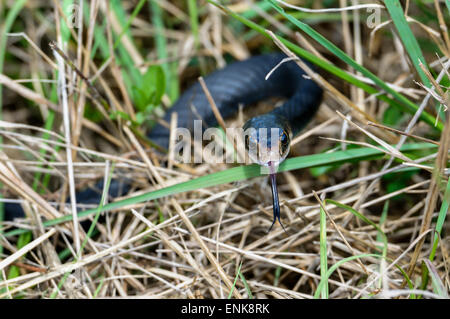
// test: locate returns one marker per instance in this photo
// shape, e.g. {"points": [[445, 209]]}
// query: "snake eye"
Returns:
{"points": [[284, 144], [284, 138]]}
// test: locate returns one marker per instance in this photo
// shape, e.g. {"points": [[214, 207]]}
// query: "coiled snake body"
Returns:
{"points": [[242, 82]]}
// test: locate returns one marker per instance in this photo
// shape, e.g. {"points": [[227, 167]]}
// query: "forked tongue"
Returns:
{"points": [[275, 201]]}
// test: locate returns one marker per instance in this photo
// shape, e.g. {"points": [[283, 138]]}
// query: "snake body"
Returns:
{"points": [[239, 83], [244, 83]]}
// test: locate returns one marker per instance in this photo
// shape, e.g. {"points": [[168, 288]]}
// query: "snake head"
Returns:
{"points": [[267, 139]]}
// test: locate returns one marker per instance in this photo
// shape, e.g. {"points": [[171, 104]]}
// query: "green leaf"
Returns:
{"points": [[92, 113], [154, 81], [150, 89], [140, 117], [120, 114]]}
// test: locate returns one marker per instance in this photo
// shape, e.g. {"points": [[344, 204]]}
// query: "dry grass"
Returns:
{"points": [[58, 137]]}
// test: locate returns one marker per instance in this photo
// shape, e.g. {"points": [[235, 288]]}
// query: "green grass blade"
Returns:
{"points": [[277, 276], [323, 254], [246, 286], [330, 271], [381, 237], [407, 37], [131, 73], [440, 221], [235, 280], [408, 281], [380, 234], [9, 20], [193, 19], [239, 274], [161, 48], [100, 285], [60, 284], [23, 240], [360, 216], [90, 231], [436, 282], [67, 6], [438, 229], [100, 41], [48, 126], [97, 215], [130, 20]]}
